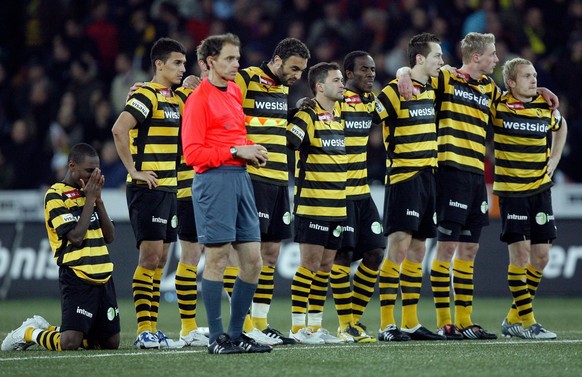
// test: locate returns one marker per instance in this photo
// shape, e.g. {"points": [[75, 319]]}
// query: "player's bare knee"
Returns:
{"points": [[396, 255], [270, 252], [344, 257], [111, 343], [468, 252], [539, 260], [311, 265], [251, 265], [448, 235], [325, 266], [270, 259], [71, 340], [149, 261], [416, 254], [372, 259]]}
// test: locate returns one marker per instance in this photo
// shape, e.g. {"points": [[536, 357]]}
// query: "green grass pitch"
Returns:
{"points": [[502, 357]]}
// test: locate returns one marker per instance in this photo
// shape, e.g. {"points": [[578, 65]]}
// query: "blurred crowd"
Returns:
{"points": [[66, 65]]}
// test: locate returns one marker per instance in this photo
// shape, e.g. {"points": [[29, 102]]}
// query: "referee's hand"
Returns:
{"points": [[256, 154]]}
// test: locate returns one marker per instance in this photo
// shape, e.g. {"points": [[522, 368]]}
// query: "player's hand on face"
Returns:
{"points": [[94, 184], [147, 176], [191, 82]]}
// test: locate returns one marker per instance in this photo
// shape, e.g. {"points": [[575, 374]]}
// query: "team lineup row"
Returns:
{"points": [[231, 129]]}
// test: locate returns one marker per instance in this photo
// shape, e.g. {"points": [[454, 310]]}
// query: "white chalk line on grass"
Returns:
{"points": [[89, 354]]}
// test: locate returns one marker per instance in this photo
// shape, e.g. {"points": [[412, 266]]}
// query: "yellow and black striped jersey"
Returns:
{"points": [[359, 113], [63, 205], [321, 171], [265, 107], [522, 146], [463, 110], [185, 172], [153, 142], [410, 134]]}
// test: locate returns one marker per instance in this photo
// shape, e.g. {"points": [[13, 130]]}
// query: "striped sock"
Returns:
{"points": [[317, 295], [342, 294], [300, 287], [410, 285], [263, 297], [142, 287], [463, 289], [440, 282], [187, 294], [155, 308], [388, 286], [364, 281], [521, 297]]}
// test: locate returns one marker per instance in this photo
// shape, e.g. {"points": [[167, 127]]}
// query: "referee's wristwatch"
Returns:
{"points": [[233, 151]]}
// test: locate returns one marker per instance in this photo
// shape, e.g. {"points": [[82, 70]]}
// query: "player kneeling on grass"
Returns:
{"points": [[78, 229], [523, 176]]}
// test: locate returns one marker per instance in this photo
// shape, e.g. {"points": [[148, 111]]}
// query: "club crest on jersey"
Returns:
{"points": [[325, 117], [72, 194], [516, 106], [353, 100], [266, 81], [166, 92], [462, 75]]}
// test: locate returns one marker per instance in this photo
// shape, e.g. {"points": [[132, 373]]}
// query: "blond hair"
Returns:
{"points": [[475, 43], [510, 69]]}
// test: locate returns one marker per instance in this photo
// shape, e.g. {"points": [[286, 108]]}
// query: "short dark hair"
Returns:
{"points": [[318, 73], [212, 45], [81, 151], [162, 49], [291, 47], [419, 44], [350, 60]]}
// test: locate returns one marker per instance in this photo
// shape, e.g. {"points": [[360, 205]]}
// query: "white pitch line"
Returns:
{"points": [[86, 354]]}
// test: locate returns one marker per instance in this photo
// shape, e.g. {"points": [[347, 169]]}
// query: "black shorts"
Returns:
{"points": [[153, 214], [530, 218], [318, 232], [186, 221], [461, 198], [273, 208], [90, 309], [409, 206], [362, 230]]}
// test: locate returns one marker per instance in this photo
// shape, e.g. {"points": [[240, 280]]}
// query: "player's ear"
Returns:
{"points": [[159, 64], [277, 61]]}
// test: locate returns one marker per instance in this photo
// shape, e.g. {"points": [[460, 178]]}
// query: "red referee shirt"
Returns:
{"points": [[213, 122]]}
